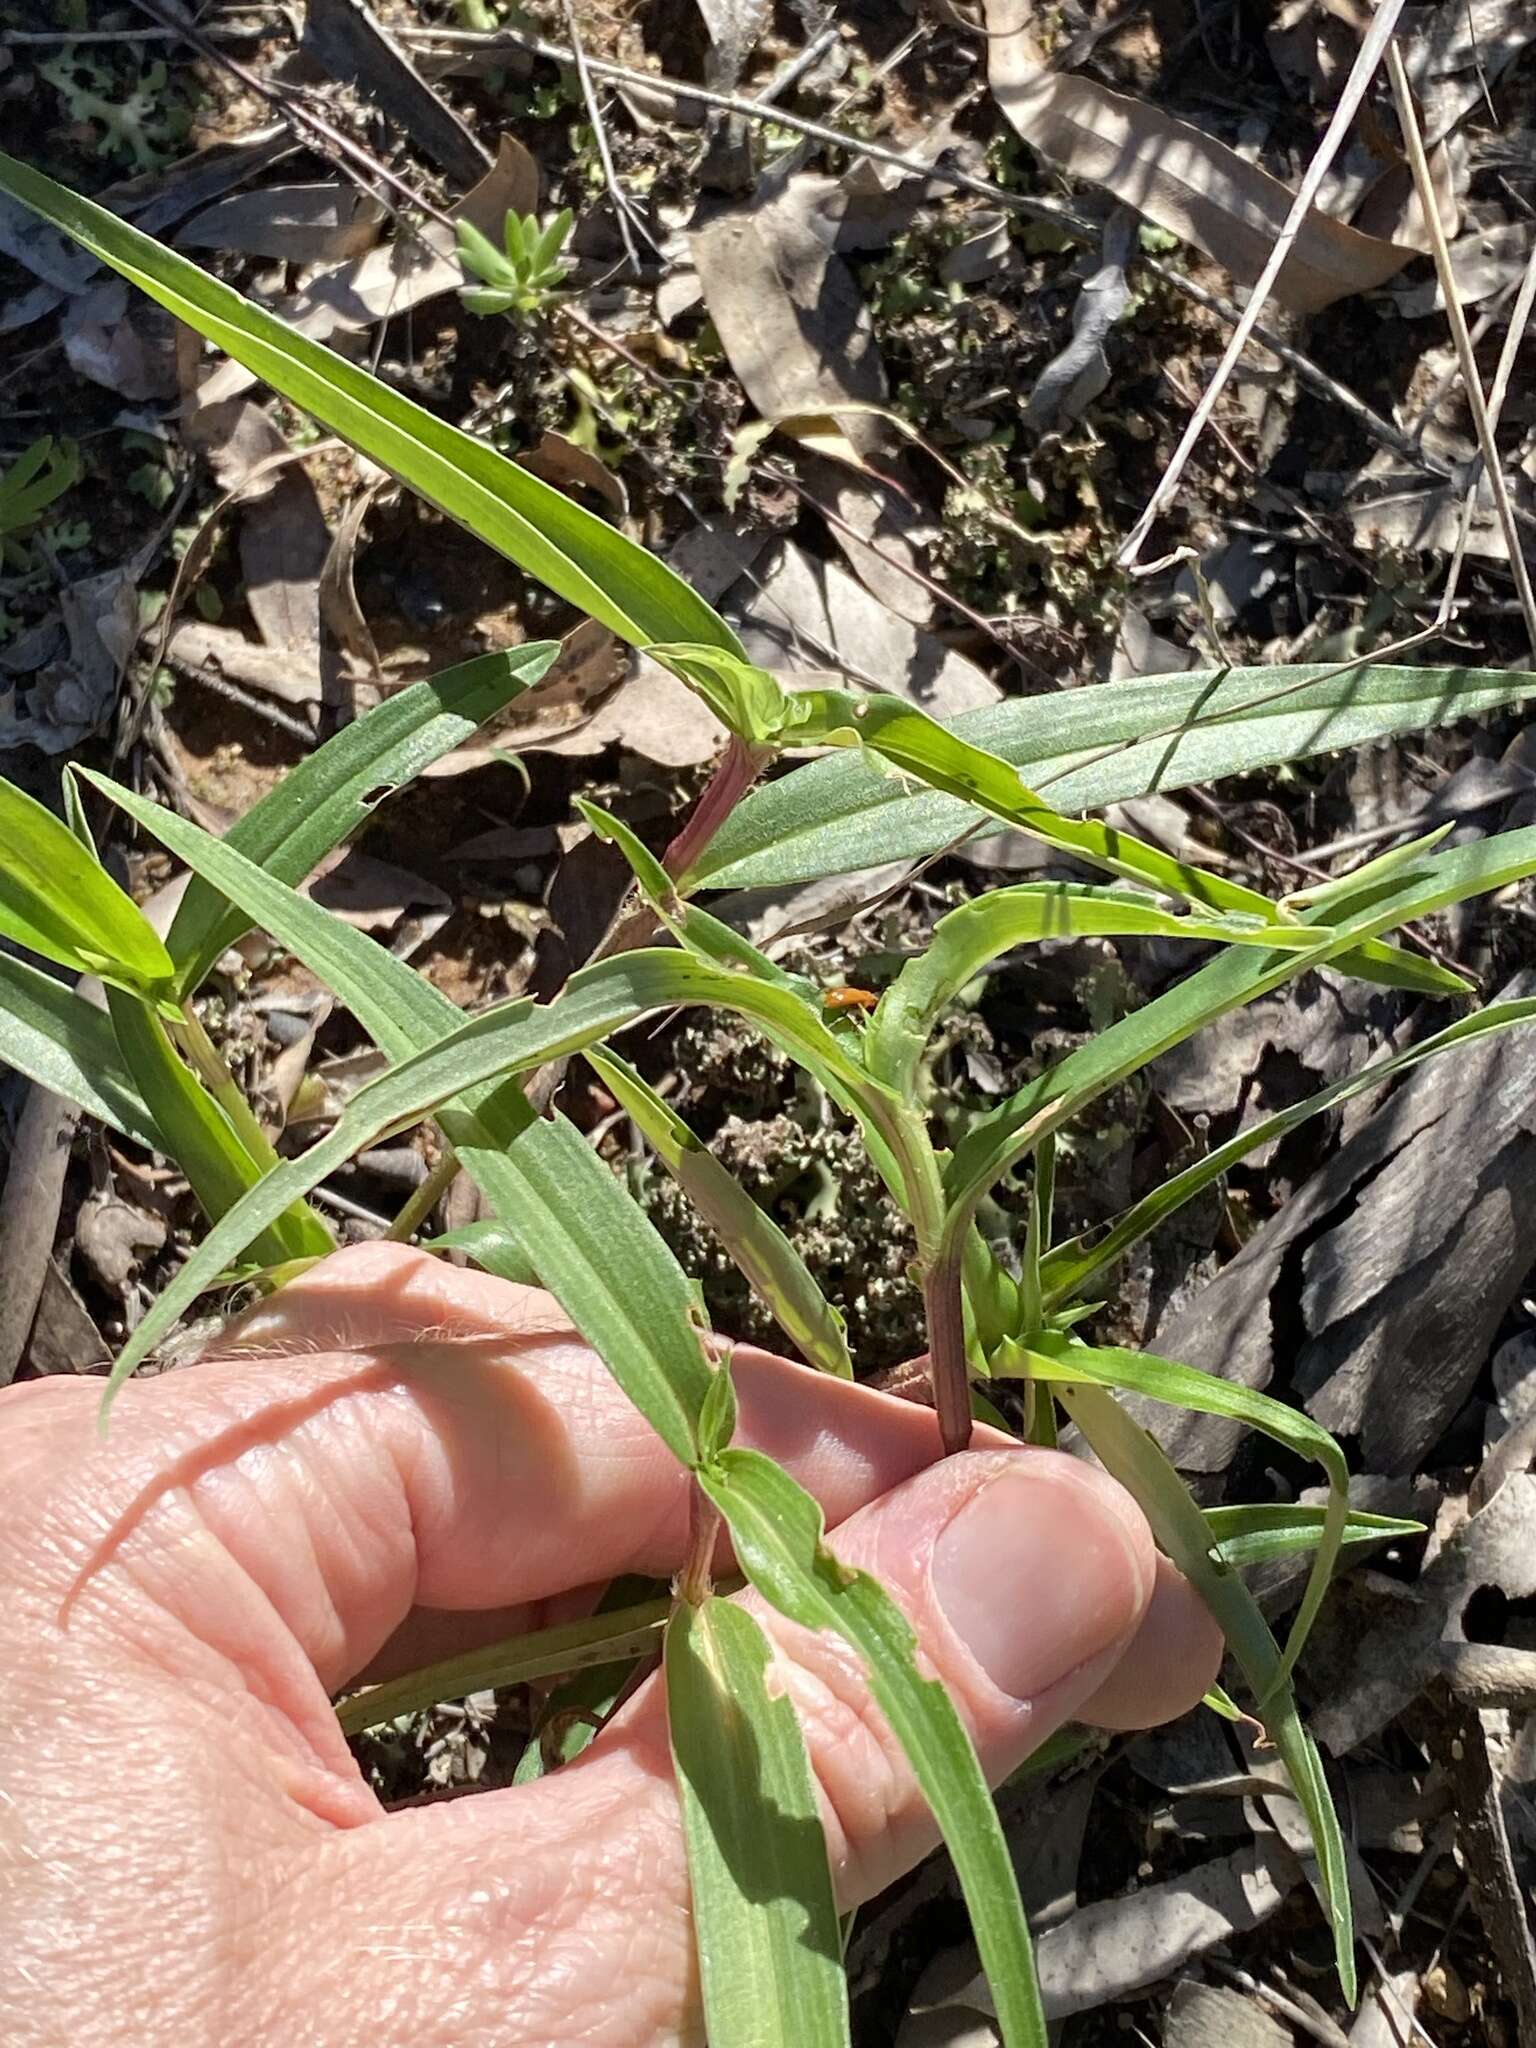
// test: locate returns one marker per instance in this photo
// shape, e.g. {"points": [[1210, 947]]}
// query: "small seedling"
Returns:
{"points": [[524, 281], [38, 477]]}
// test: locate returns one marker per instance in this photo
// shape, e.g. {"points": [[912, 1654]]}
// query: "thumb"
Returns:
{"points": [[560, 1911], [1025, 1575]]}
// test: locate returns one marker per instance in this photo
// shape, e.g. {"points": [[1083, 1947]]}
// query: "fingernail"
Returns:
{"points": [[1036, 1574]]}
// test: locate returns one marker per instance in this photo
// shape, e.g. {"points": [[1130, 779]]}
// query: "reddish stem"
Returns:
{"points": [[735, 772]]}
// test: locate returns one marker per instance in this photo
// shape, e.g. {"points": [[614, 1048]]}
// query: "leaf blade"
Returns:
{"points": [[765, 1920], [332, 791], [777, 1531], [578, 555], [1087, 748], [57, 900]]}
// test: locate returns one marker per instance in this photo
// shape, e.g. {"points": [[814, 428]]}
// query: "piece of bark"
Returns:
{"points": [[29, 1216], [1210, 2016], [1404, 1294], [1398, 1261], [345, 40], [1459, 1745], [64, 1336], [1120, 1945], [1380, 1643]]}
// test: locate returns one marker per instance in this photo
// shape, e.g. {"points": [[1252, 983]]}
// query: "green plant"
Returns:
{"points": [[894, 780], [524, 280], [39, 475]]}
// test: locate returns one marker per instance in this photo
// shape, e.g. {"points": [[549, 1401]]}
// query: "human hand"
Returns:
{"points": [[394, 1460]]}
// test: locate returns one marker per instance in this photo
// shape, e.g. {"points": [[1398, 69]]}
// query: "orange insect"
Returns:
{"points": [[846, 999]]}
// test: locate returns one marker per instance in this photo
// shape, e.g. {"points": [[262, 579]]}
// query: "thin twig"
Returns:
{"points": [[1363, 70], [1413, 138], [301, 117], [1030, 205], [628, 219]]}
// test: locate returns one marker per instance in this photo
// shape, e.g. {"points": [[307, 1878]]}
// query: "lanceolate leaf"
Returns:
{"points": [[1066, 1270], [64, 1043], [575, 553], [776, 1528], [1058, 1361], [594, 1249], [56, 899], [969, 938], [755, 1242], [1085, 748], [326, 797], [764, 1917], [508, 1040], [198, 1136], [1237, 977], [906, 739], [1246, 1536], [1137, 1461], [545, 1653]]}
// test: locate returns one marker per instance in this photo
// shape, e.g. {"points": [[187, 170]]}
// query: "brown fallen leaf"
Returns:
{"points": [[398, 275], [344, 38], [74, 692], [64, 1336], [274, 671], [325, 223], [114, 1238], [802, 342], [339, 608], [284, 545], [586, 671], [1179, 177], [797, 614], [574, 469]]}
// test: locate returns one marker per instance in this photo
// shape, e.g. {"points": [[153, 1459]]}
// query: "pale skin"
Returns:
{"points": [[394, 1460]]}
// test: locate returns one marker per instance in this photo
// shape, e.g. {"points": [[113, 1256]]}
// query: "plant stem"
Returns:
{"points": [[423, 1200], [694, 1581], [946, 1352], [210, 1069], [735, 772]]}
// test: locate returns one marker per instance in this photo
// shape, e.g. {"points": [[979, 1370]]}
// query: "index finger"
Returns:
{"points": [[393, 1433]]}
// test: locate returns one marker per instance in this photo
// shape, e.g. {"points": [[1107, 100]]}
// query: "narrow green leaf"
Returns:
{"points": [[491, 1245], [1135, 1458], [549, 243], [594, 1249], [764, 1918], [717, 1413], [520, 1660], [503, 1041], [709, 937], [341, 785], [758, 1248], [918, 745], [970, 938], [196, 1133], [1245, 1536], [58, 1039], [893, 1129], [1060, 1361], [578, 555], [56, 899], [777, 1531], [1087, 748], [1067, 1268], [1000, 1137]]}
